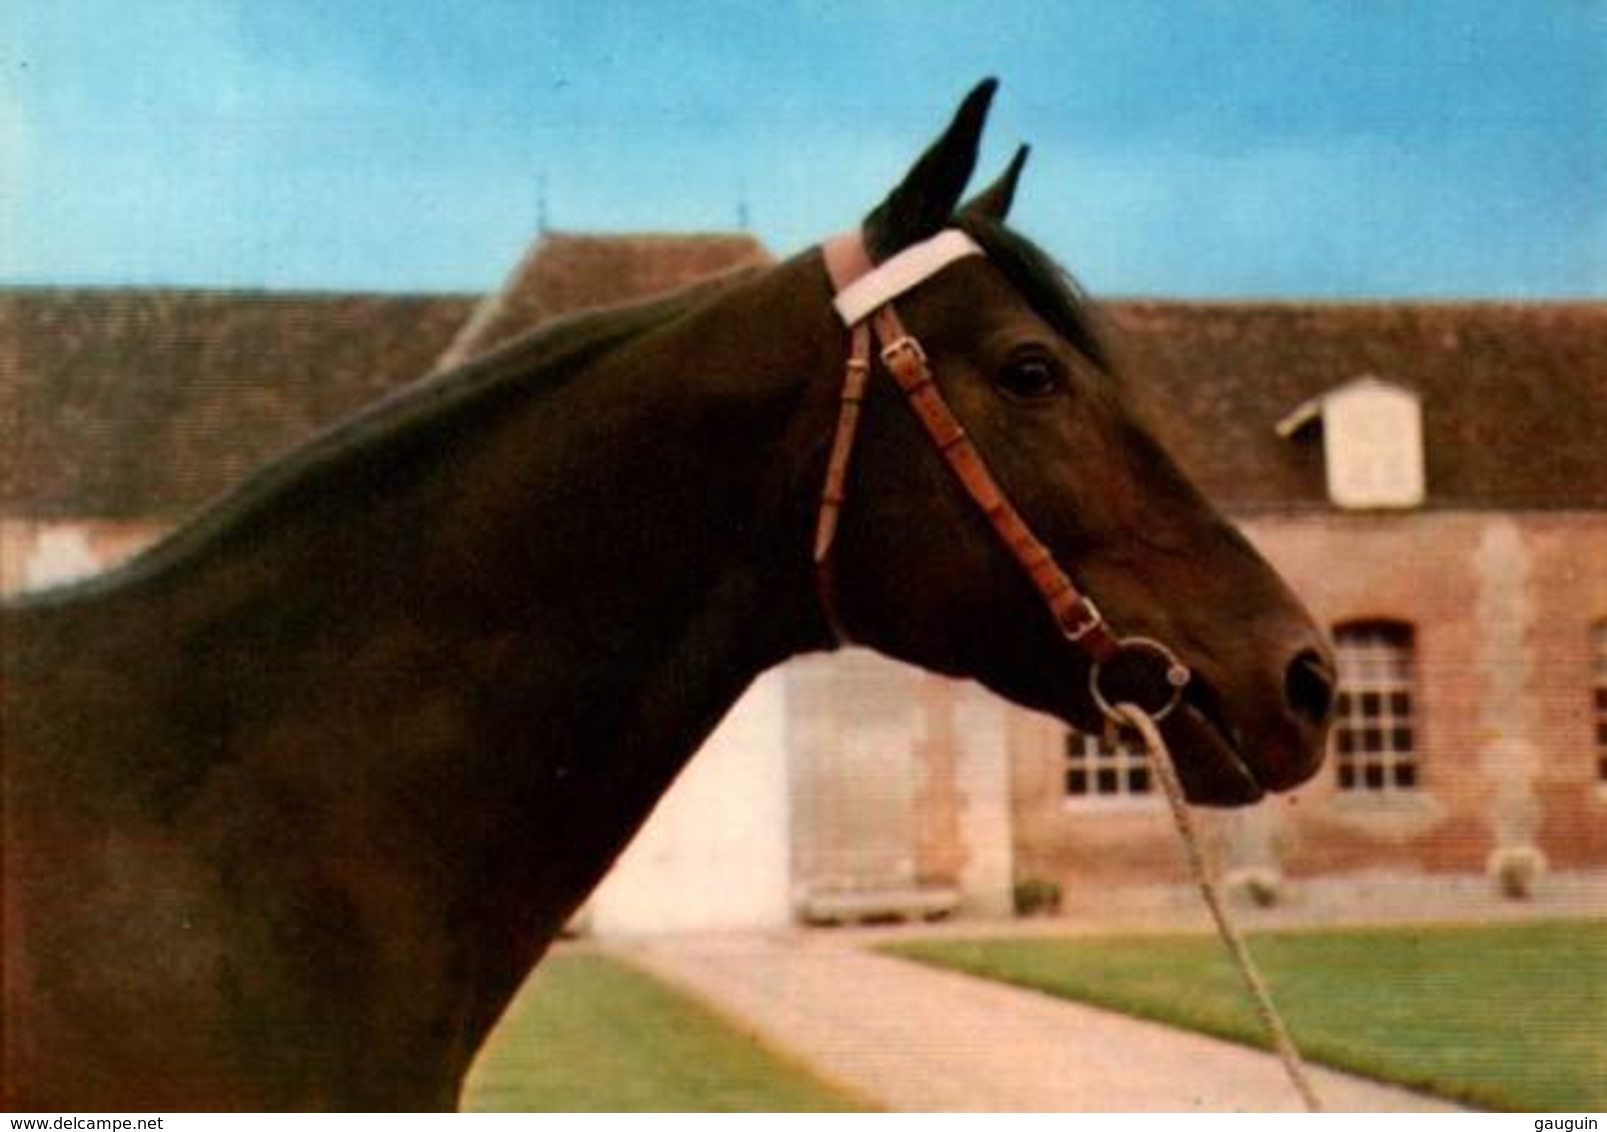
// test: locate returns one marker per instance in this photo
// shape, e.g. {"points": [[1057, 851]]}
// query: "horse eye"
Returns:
{"points": [[1031, 377]]}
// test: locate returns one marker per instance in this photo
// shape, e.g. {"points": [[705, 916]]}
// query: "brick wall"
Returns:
{"points": [[1571, 560], [1502, 606]]}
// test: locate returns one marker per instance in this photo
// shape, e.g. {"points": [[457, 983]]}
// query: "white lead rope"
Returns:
{"points": [[1161, 756]]}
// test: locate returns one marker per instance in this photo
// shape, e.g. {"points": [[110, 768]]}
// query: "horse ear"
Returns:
{"points": [[994, 201], [926, 199]]}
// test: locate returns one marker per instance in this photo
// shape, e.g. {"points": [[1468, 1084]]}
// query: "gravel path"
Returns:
{"points": [[916, 1039]]}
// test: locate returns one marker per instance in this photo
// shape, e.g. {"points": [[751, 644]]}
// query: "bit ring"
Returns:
{"points": [[1175, 676]]}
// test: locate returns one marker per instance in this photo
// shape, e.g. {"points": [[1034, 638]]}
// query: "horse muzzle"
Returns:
{"points": [[1229, 757]]}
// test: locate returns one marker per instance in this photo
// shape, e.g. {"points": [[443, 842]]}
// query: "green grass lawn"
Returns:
{"points": [[591, 1035], [1507, 1017]]}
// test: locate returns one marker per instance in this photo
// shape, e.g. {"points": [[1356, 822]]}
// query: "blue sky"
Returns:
{"points": [[1345, 150]]}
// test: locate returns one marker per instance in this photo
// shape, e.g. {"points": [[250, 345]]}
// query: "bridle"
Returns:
{"points": [[1151, 677], [1150, 673]]}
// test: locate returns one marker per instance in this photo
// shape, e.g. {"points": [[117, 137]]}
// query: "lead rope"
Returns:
{"points": [[1282, 1042]]}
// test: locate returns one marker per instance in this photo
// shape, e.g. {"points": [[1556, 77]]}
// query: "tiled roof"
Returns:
{"points": [[563, 272], [127, 403], [1514, 395], [131, 403]]}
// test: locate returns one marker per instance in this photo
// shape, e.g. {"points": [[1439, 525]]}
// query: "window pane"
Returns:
{"points": [[1096, 768], [1374, 738]]}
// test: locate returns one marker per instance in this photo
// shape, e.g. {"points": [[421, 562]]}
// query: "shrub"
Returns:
{"points": [[1035, 896], [1261, 885], [1516, 869]]}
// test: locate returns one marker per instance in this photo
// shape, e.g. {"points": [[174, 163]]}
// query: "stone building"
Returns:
{"points": [[1432, 479], [1429, 477], [125, 410]]}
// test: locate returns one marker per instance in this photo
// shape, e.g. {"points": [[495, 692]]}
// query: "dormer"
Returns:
{"points": [[1372, 440]]}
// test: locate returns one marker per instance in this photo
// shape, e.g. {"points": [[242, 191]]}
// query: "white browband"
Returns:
{"points": [[909, 268]]}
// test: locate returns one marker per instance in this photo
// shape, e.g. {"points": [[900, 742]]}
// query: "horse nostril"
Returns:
{"points": [[1308, 686]]}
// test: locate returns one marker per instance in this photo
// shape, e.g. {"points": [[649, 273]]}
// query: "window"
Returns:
{"points": [[1374, 739], [1096, 768], [1598, 641]]}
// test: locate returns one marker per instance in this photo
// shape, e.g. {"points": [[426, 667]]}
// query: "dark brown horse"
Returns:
{"points": [[294, 801]]}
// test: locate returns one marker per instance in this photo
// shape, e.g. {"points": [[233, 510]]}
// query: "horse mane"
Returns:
{"points": [[384, 434], [1047, 287]]}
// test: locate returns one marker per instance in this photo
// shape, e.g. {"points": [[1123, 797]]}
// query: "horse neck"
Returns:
{"points": [[493, 664], [645, 521]]}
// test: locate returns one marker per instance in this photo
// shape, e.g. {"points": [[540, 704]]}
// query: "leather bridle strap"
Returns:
{"points": [[864, 300], [835, 492], [1078, 617]]}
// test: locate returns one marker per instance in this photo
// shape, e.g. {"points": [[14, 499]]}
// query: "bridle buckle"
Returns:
{"points": [[905, 345], [1092, 619]]}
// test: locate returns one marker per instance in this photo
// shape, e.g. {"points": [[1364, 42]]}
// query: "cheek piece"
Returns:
{"points": [[1134, 670]]}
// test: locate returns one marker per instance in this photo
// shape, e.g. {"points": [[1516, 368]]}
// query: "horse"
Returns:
{"points": [[296, 799]]}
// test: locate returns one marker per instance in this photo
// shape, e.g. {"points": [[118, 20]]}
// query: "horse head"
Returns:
{"points": [[918, 571]]}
